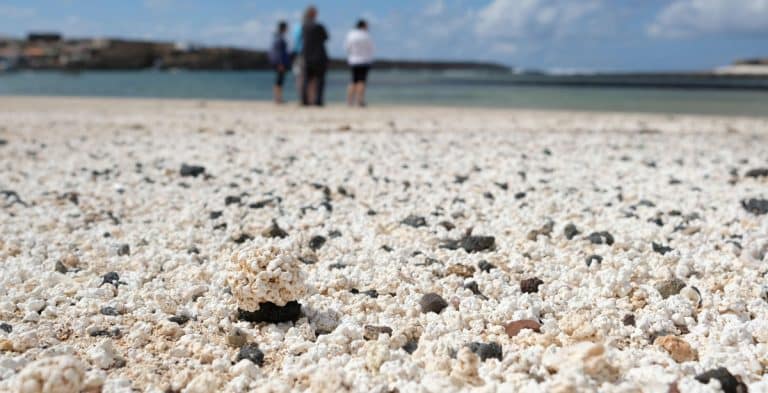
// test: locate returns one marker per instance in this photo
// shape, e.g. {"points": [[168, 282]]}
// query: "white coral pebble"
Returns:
{"points": [[61, 374], [266, 273]]}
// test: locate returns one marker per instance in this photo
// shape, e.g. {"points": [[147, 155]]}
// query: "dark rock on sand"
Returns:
{"points": [[661, 249], [272, 313], [601, 238], [414, 221], [755, 206], [6, 328], [570, 231], [110, 278], [109, 311], [411, 346], [471, 243], [260, 204], [242, 238], [520, 195], [334, 234], [179, 319], [447, 225], [316, 242], [530, 285], [123, 249], [670, 287], [485, 266], [628, 320], [371, 332], [486, 351], [432, 302], [251, 352], [728, 382], [545, 230], [59, 267], [757, 172], [215, 215], [231, 200], [274, 230], [594, 259], [191, 170], [503, 186]]}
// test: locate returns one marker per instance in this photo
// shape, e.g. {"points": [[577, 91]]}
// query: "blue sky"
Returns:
{"points": [[551, 34]]}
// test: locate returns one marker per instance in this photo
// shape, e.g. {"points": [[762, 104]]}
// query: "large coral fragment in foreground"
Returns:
{"points": [[266, 273]]}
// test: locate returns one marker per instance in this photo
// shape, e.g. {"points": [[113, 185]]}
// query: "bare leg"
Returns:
{"points": [[277, 92], [351, 91], [312, 91], [360, 90]]}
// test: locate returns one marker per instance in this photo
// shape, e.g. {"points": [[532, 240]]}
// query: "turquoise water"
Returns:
{"points": [[660, 94]]}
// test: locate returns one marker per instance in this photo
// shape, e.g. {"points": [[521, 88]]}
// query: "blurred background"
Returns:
{"points": [[673, 56]]}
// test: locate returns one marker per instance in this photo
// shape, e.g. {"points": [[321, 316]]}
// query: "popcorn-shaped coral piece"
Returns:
{"points": [[61, 374], [269, 272]]}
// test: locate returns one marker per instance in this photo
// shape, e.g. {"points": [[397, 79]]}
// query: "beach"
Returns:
{"points": [[560, 251]]}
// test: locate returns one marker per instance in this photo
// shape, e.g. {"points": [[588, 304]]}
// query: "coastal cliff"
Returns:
{"points": [[51, 52]]}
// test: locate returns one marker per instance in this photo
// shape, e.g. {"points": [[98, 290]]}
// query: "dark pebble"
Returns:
{"points": [[231, 200], [594, 259], [660, 248], [260, 204], [371, 293], [371, 212], [458, 179], [316, 242], [570, 231], [471, 243], [191, 170], [411, 346], [6, 327], [432, 302], [387, 248], [336, 266], [728, 382], [271, 313], [59, 267], [757, 207], [371, 332], [488, 195], [485, 266], [109, 311], [242, 238], [447, 225], [251, 352], [658, 221], [221, 226], [520, 195], [110, 278], [601, 238], [472, 286], [757, 172], [274, 230], [179, 319], [193, 250], [486, 351], [334, 234], [123, 250], [215, 215], [3, 142], [628, 320], [503, 186], [530, 285], [414, 221]]}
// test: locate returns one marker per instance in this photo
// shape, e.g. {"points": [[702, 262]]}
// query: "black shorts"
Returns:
{"points": [[360, 73], [279, 78]]}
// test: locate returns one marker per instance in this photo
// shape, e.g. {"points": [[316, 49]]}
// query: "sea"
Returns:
{"points": [[650, 93]]}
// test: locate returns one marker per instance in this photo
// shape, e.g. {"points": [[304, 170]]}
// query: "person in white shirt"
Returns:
{"points": [[359, 48]]}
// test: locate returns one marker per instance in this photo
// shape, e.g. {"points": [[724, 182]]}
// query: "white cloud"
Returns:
{"points": [[540, 19], [435, 8], [12, 12], [689, 18]]}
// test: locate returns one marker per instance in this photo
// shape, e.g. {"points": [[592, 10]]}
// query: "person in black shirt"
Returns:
{"points": [[315, 56]]}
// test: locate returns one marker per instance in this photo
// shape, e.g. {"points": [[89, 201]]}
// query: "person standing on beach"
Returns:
{"points": [[280, 59], [298, 59], [359, 47], [315, 56]]}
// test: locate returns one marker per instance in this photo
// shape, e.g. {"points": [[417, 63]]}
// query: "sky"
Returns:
{"points": [[568, 35]]}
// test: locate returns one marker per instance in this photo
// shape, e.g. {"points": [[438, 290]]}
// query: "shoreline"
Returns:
{"points": [[31, 102]]}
